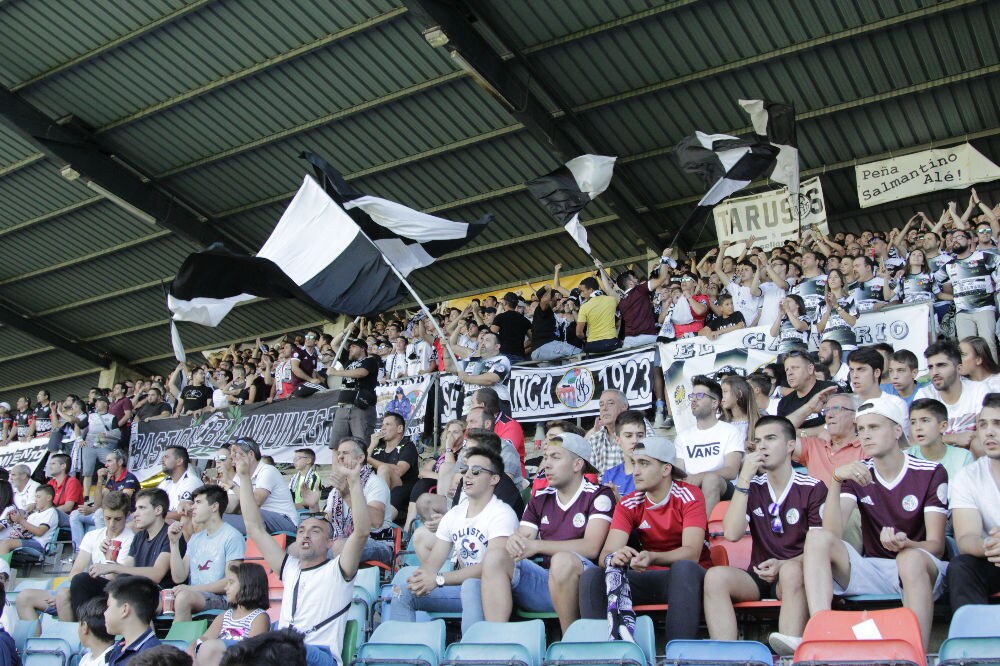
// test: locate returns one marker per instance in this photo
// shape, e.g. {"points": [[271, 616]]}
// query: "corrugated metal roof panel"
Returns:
{"points": [[37, 190]]}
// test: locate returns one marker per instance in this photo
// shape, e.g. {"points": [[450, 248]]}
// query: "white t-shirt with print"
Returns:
{"points": [[770, 304], [974, 488], [49, 517], [705, 450], [962, 415], [92, 540], [470, 536]]}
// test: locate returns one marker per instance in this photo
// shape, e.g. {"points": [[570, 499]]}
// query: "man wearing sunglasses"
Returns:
{"points": [[472, 527], [780, 506], [903, 504]]}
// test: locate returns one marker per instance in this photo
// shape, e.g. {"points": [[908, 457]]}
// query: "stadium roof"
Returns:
{"points": [[135, 133]]}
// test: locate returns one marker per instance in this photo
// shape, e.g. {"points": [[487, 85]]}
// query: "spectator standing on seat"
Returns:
{"points": [[606, 453], [210, 549], [34, 531], [41, 416], [115, 478], [904, 506], [355, 414], [394, 457], [566, 524], [195, 397], [180, 480], [68, 491], [636, 306], [102, 437], [780, 506], [20, 421], [596, 319], [511, 328], [974, 575], [970, 279], [132, 602], [489, 369], [271, 495], [546, 342], [669, 564], [962, 398], [710, 451]]}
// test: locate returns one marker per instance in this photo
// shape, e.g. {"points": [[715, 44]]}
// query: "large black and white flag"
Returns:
{"points": [[568, 189], [726, 163], [408, 238], [316, 254], [774, 122]]}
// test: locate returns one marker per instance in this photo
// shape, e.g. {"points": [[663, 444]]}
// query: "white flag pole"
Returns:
{"points": [[347, 336]]}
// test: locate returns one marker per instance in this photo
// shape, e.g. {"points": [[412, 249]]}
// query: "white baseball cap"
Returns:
{"points": [[883, 406]]}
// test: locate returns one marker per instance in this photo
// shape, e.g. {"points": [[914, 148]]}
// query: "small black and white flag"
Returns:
{"points": [[567, 190], [774, 122], [726, 163], [408, 238]]}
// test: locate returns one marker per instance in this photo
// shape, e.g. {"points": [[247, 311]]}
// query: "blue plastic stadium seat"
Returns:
{"points": [[508, 643], [969, 651], [68, 631], [51, 650], [975, 621], [717, 652], [586, 642], [404, 643]]}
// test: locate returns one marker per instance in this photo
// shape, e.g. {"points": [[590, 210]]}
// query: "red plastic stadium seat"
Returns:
{"points": [[839, 652], [894, 624], [253, 552]]}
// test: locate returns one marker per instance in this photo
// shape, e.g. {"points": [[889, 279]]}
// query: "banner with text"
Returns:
{"points": [[279, 428], [771, 217], [406, 397], [952, 168], [567, 391], [747, 350], [28, 453]]}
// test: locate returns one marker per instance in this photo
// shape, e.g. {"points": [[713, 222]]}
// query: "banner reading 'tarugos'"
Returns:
{"points": [[771, 217]]}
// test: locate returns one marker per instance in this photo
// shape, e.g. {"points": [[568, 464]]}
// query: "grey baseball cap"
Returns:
{"points": [[576, 445]]}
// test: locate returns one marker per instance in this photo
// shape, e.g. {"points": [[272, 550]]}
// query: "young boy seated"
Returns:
{"points": [[928, 423]]}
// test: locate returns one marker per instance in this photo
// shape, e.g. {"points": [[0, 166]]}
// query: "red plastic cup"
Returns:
{"points": [[116, 547]]}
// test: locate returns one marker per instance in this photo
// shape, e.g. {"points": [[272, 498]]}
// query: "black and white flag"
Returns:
{"points": [[568, 189], [774, 122], [408, 238], [726, 163]]}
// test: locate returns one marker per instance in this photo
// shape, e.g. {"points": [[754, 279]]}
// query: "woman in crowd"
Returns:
{"points": [[978, 363], [792, 326], [739, 407], [834, 317], [915, 285]]}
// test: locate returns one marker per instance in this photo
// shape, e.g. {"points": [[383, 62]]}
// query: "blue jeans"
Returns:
{"points": [[529, 586], [80, 524], [552, 351], [319, 655], [601, 346], [465, 598]]}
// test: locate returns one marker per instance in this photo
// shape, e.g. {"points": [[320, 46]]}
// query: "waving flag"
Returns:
{"points": [[774, 122]]}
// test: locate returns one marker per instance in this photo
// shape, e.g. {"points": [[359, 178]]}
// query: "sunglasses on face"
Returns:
{"points": [[476, 470], [774, 511], [701, 395]]}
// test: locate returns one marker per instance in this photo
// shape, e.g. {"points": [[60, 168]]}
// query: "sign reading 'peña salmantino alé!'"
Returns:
{"points": [[918, 173]]}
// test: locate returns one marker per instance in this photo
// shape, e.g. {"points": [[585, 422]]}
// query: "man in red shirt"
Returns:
{"points": [[505, 427], [669, 517], [69, 492]]}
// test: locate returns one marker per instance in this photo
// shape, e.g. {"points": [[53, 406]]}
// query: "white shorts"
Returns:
{"points": [[878, 575]]}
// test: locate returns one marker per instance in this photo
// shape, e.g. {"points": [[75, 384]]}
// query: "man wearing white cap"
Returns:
{"points": [[903, 503], [566, 523], [669, 517]]}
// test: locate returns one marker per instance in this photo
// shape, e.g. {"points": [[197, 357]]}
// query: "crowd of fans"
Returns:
{"points": [[847, 469]]}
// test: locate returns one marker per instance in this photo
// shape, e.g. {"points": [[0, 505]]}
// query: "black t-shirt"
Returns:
{"points": [[22, 422], [307, 361], [792, 401], [148, 410], [405, 451], [513, 327], [720, 323], [260, 396], [366, 385], [145, 551], [195, 397], [43, 419], [543, 327]]}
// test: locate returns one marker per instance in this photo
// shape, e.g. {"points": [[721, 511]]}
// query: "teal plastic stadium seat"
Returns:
{"points": [[508, 643], [404, 643], [367, 579], [717, 652], [188, 632], [969, 651], [975, 621], [50, 651], [23, 630], [586, 642], [68, 631]]}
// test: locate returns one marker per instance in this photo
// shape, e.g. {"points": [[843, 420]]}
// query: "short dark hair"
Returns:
{"points": [[935, 407], [496, 462], [489, 398], [568, 426], [161, 655], [907, 357], [63, 458], [253, 585], [709, 383], [760, 380], [867, 356], [91, 613], [837, 347], [884, 348], [725, 297], [157, 498], [398, 418], [284, 646], [868, 260], [181, 453], [946, 347], [590, 283], [308, 453], [629, 417], [787, 429], [139, 592], [213, 495], [116, 501], [484, 438], [47, 489], [991, 400]]}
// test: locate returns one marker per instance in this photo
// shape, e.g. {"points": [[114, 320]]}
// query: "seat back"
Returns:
{"points": [[187, 631], [715, 520], [890, 624], [252, 552], [23, 630], [33, 584], [731, 553], [970, 651], [596, 631], [745, 652], [396, 642], [888, 651], [48, 650], [494, 642], [367, 579], [67, 631], [975, 621]]}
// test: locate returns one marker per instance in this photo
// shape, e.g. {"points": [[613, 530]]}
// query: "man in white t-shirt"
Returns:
{"points": [[963, 398], [468, 529], [740, 286], [94, 549], [270, 493], [770, 287], [317, 590], [712, 451], [24, 487], [37, 528], [974, 575], [180, 481]]}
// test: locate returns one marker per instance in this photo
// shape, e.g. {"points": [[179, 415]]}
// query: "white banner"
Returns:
{"points": [[29, 453], [952, 168], [746, 351], [770, 216]]}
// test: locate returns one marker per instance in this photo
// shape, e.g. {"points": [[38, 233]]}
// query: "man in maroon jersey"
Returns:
{"points": [[781, 506], [669, 517], [566, 523], [904, 506]]}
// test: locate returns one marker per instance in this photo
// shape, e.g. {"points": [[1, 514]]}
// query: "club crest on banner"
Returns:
{"points": [[576, 388]]}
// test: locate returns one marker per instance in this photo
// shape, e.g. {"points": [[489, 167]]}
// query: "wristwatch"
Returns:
{"points": [[439, 580]]}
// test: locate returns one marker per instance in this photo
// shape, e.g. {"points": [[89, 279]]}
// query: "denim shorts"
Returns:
{"points": [[530, 585]]}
